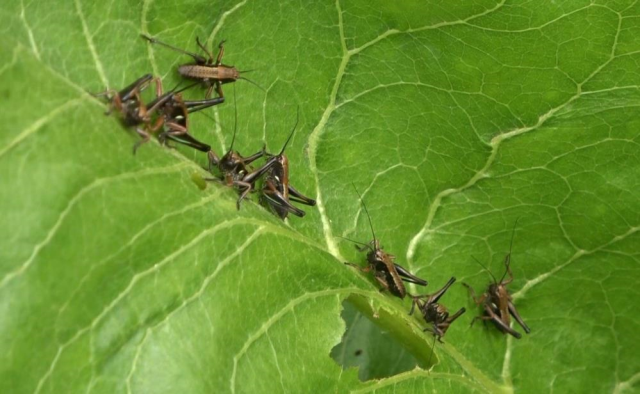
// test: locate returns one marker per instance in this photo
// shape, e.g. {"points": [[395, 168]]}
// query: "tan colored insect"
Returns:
{"points": [[212, 73]]}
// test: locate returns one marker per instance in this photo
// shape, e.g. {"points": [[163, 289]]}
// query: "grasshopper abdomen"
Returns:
{"points": [[207, 72]]}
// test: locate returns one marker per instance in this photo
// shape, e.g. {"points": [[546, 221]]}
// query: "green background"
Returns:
{"points": [[118, 274]]}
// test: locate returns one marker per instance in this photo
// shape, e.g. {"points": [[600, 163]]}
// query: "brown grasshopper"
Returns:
{"points": [[389, 274], [212, 74], [277, 191], [435, 313], [496, 302]]}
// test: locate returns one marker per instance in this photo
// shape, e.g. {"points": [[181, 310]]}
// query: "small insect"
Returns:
{"points": [[212, 74], [175, 118], [127, 101], [235, 169], [134, 113], [436, 313], [277, 191], [496, 302], [389, 274]]}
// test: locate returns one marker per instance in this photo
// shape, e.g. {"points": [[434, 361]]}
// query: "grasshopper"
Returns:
{"points": [[389, 274], [436, 313], [277, 191], [175, 118], [496, 302], [134, 113], [234, 168], [212, 73], [127, 101]]}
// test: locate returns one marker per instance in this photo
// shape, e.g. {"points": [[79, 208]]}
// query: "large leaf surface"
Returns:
{"points": [[120, 275]]}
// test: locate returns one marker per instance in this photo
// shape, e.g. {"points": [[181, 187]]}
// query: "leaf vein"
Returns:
{"points": [[32, 40], [131, 242], [418, 373], [222, 19], [580, 253], [276, 317], [92, 48], [73, 201], [35, 126], [134, 280]]}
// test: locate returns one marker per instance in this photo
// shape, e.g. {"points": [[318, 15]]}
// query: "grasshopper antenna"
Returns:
{"points": [[375, 242], [183, 89], [175, 88], [508, 259], [355, 242], [209, 116], [482, 265], [251, 82], [292, 132], [156, 41], [235, 121]]}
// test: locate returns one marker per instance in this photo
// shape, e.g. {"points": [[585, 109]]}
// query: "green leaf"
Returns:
{"points": [[118, 274]]}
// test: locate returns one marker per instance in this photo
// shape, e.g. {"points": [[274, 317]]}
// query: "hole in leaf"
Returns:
{"points": [[370, 348]]}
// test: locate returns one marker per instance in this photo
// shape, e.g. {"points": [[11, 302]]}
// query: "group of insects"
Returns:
{"points": [[167, 116], [497, 305]]}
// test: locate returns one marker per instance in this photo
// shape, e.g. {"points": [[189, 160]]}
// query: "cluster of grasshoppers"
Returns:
{"points": [[167, 115], [496, 302]]}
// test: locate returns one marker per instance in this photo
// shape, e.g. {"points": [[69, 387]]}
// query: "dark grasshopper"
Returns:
{"points": [[496, 302], [175, 118], [212, 73], [128, 102], [235, 169], [173, 111], [389, 274], [277, 191], [135, 113], [436, 313]]}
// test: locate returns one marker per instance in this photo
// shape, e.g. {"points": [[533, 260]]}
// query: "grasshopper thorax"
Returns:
{"points": [[131, 114], [232, 166], [498, 291], [230, 161], [377, 254], [435, 313]]}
